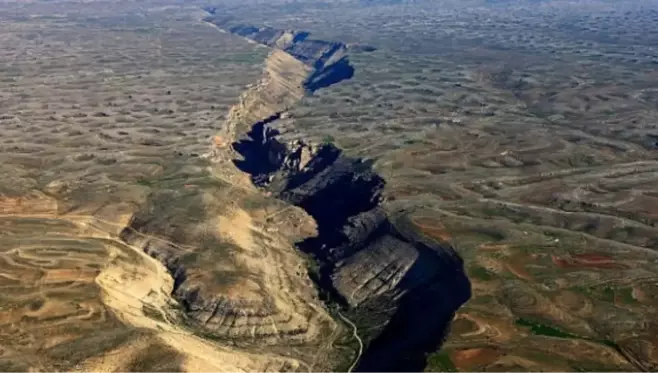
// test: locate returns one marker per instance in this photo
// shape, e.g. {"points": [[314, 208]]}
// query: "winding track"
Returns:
{"points": [[356, 335]]}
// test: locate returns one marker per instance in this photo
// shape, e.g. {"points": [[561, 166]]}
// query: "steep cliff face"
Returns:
{"points": [[327, 60], [297, 65], [217, 245], [400, 287], [281, 86], [411, 286]]}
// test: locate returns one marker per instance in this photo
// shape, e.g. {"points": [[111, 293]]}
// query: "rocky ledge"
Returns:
{"points": [[328, 59], [400, 288]]}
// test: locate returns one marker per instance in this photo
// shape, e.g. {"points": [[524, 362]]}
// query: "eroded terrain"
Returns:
{"points": [[114, 222], [524, 142], [166, 170]]}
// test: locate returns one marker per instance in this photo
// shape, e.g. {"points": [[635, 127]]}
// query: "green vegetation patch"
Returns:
{"points": [[491, 233], [626, 296], [608, 294], [543, 329], [480, 273], [145, 182], [538, 328], [440, 362]]}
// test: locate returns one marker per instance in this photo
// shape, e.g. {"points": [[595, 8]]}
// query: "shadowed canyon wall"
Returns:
{"points": [[399, 286]]}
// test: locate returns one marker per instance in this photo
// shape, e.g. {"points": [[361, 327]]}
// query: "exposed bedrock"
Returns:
{"points": [[213, 251], [401, 288], [327, 59]]}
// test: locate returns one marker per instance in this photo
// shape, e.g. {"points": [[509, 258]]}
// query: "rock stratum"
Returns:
{"points": [[126, 244], [297, 65], [262, 255], [400, 288], [327, 62]]}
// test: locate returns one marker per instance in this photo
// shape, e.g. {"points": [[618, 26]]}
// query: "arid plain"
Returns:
{"points": [[521, 134], [107, 108]]}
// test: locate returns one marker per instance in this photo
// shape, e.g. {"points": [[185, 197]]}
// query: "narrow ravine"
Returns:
{"points": [[402, 288], [364, 264]]}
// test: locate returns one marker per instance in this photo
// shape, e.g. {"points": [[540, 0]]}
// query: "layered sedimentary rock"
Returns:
{"points": [[280, 88], [398, 285], [327, 60], [298, 65], [219, 251], [410, 285]]}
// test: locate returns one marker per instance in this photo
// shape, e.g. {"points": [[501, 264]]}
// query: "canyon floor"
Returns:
{"points": [[205, 187]]}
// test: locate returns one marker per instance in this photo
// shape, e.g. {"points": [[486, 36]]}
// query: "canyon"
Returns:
{"points": [[327, 186]]}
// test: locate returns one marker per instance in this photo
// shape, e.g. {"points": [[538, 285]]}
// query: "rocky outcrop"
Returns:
{"points": [[327, 59], [217, 246], [400, 287], [281, 86], [365, 263], [298, 65]]}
